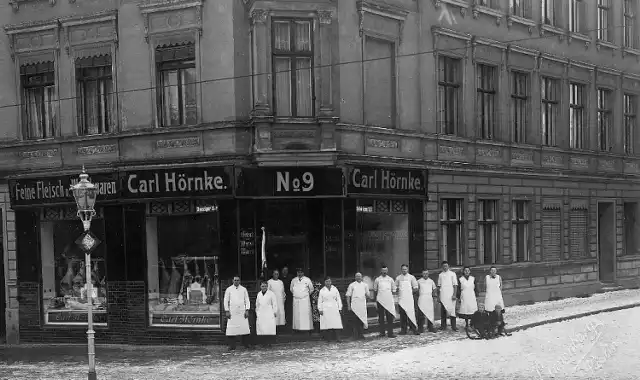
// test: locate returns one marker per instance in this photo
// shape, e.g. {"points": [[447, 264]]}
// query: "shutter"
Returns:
{"points": [[578, 233], [114, 240], [351, 257], [28, 246], [417, 252], [551, 234], [134, 243]]}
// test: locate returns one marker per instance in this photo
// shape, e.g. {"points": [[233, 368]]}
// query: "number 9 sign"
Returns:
{"points": [[307, 180]]}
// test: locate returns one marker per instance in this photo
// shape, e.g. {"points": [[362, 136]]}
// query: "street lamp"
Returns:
{"points": [[85, 194]]}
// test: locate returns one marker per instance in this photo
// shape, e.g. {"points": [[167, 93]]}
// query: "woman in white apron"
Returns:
{"points": [[266, 313], [330, 307], [493, 290], [468, 294]]}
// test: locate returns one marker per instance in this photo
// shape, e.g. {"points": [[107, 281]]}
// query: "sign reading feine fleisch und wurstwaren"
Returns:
{"points": [[380, 180], [37, 191], [177, 182]]}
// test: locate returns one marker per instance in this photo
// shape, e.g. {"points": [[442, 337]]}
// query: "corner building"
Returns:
{"points": [[202, 123]]}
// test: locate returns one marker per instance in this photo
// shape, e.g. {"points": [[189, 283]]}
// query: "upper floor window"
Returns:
{"points": [[520, 8], [488, 241], [292, 66], [451, 222], [577, 16], [519, 105], [629, 123], [493, 4], [38, 99], [629, 24], [604, 21], [380, 82], [551, 11], [520, 224], [486, 100], [94, 93], [550, 102], [176, 75], [604, 119], [449, 89], [576, 116]]}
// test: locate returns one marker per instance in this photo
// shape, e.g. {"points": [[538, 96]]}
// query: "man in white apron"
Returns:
{"points": [[236, 306], [277, 287], [357, 294], [448, 287], [427, 292], [266, 314], [407, 285], [301, 288], [384, 287]]}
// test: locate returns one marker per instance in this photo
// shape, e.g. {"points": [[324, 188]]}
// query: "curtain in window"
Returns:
{"points": [[379, 96], [188, 88], [40, 111], [304, 105], [283, 86], [171, 106]]}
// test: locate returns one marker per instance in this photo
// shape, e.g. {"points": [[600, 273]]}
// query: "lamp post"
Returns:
{"points": [[85, 193]]}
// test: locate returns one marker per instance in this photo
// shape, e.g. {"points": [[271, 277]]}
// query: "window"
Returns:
{"points": [[519, 105], [629, 123], [552, 232], [604, 21], [520, 8], [579, 231], [631, 227], [551, 12], [176, 85], [604, 119], [94, 92], [488, 231], [629, 24], [292, 66], [493, 4], [520, 224], [577, 16], [550, 100], [38, 99], [380, 82], [485, 103], [449, 84], [451, 224], [576, 116]]}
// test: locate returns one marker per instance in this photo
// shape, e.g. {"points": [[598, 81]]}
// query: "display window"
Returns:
{"points": [[63, 270], [183, 270]]}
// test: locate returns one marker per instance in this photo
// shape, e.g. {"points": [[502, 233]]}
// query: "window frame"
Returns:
{"points": [[444, 62], [520, 8], [445, 222], [547, 7], [604, 16], [293, 56], [81, 79], [577, 107], [629, 9], [519, 100], [626, 235], [179, 65], [516, 221], [49, 83], [549, 105], [487, 124], [630, 115], [493, 225], [576, 16], [604, 117]]}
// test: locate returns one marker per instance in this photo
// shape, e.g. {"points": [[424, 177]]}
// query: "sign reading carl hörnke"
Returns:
{"points": [[177, 182], [379, 180]]}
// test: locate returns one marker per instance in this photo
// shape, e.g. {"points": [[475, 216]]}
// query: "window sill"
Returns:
{"points": [[546, 28], [295, 120], [512, 19], [631, 51], [580, 37], [609, 45], [462, 4], [478, 9]]}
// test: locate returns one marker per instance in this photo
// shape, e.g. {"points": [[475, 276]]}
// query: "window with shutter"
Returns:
{"points": [[552, 232], [579, 232]]}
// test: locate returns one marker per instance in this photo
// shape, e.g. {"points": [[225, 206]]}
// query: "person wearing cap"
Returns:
{"points": [[301, 288]]}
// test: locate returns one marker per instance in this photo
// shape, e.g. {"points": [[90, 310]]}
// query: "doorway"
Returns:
{"points": [[606, 241], [3, 301]]}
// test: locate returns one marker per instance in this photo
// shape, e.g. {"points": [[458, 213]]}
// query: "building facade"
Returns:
{"points": [[204, 122]]}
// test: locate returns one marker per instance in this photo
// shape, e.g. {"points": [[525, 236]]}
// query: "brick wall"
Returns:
{"points": [[628, 271], [10, 264]]}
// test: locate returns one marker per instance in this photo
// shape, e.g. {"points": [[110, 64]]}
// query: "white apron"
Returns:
{"points": [[277, 287], [385, 294], [358, 292], [266, 309], [493, 296], [446, 281], [236, 301], [468, 302], [330, 304], [302, 317], [425, 299], [405, 298]]}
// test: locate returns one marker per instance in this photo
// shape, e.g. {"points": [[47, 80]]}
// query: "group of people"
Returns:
{"points": [[279, 303]]}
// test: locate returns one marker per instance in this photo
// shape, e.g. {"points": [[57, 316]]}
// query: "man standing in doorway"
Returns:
{"points": [[288, 301], [357, 295], [236, 306], [383, 288], [301, 288], [447, 288], [407, 284]]}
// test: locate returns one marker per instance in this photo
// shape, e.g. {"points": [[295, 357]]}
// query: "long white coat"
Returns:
{"points": [[277, 287], [236, 301], [301, 288], [330, 304], [266, 310]]}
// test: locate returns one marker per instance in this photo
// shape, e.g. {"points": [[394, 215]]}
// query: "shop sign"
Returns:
{"points": [[182, 319], [75, 317], [177, 183], [385, 181], [29, 192], [290, 182]]}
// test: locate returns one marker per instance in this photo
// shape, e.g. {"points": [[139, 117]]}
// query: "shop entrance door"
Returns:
{"points": [[606, 241]]}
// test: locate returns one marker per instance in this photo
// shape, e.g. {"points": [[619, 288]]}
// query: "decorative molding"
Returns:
{"points": [[97, 149], [187, 142], [552, 160], [15, 4], [90, 30], [579, 161], [457, 151], [259, 16], [462, 4], [387, 144], [440, 31], [325, 16], [581, 65], [376, 7], [518, 156], [528, 23], [174, 21], [478, 8], [44, 153], [31, 37], [580, 37]]}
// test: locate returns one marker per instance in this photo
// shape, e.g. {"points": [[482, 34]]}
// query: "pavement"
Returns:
{"points": [[67, 362]]}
